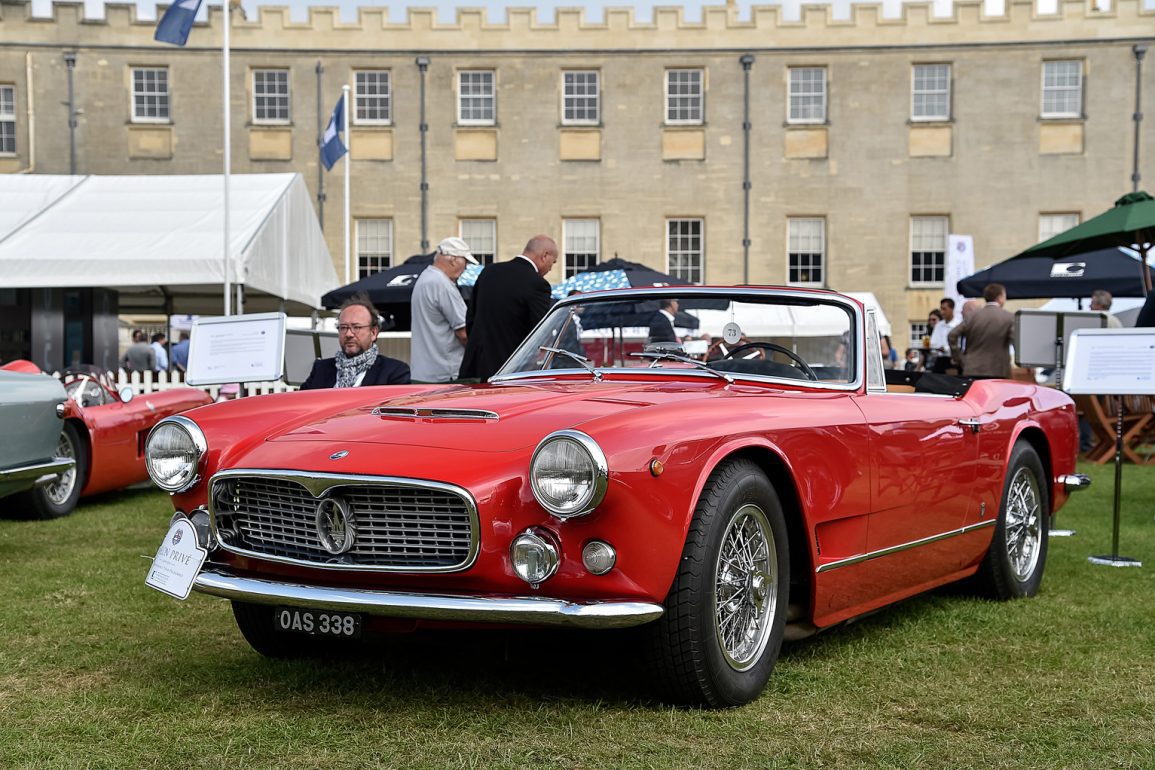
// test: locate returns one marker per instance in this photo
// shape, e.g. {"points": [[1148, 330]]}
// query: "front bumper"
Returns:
{"points": [[525, 610]]}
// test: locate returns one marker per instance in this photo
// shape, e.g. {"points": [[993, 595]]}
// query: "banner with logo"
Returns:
{"points": [[960, 262]]}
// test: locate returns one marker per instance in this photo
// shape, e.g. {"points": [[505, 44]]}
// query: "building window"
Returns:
{"points": [[1063, 89], [7, 120], [807, 249], [1051, 225], [476, 98], [684, 249], [373, 99], [928, 250], [270, 96], [918, 330], [930, 92], [582, 244], [807, 95], [374, 246], [684, 96], [481, 235], [150, 94], [580, 99]]}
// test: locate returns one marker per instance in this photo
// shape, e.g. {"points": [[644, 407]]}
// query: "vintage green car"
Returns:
{"points": [[37, 478]]}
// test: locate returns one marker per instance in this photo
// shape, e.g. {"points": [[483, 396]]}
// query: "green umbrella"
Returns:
{"points": [[1129, 224]]}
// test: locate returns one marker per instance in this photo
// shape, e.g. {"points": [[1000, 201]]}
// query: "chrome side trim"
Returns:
{"points": [[434, 414], [531, 610], [1073, 482], [903, 546], [37, 471], [317, 484]]}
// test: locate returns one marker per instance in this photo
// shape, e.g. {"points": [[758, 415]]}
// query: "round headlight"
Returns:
{"points": [[568, 474], [173, 453]]}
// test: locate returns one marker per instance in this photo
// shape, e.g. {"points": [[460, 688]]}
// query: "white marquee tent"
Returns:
{"points": [[158, 239]]}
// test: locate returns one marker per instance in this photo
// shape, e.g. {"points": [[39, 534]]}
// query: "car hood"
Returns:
{"points": [[493, 418]]}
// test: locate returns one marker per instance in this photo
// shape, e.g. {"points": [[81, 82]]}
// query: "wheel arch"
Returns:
{"points": [[85, 435], [1034, 436]]}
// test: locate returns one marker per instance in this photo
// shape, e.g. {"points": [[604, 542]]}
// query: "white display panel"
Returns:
{"points": [[302, 348], [1111, 362], [1036, 332], [238, 348]]}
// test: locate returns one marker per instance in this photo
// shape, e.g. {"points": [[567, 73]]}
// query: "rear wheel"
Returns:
{"points": [[59, 498], [1013, 566], [725, 615]]}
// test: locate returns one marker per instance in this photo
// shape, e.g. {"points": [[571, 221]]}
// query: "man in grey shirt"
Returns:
{"points": [[438, 312], [140, 357]]}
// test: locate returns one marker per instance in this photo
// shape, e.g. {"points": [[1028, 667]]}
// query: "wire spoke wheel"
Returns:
{"points": [[745, 576], [1023, 528], [61, 489]]}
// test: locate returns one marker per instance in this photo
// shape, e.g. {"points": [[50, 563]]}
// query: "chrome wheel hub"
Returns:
{"points": [[1023, 527], [59, 490], [746, 574]]}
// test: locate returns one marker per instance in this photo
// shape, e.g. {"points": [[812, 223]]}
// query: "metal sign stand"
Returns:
{"points": [[1114, 559]]}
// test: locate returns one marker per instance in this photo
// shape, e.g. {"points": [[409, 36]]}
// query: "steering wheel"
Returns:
{"points": [[798, 363]]}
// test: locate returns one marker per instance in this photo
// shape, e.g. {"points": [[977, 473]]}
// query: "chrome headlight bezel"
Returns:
{"points": [[197, 447], [596, 475]]}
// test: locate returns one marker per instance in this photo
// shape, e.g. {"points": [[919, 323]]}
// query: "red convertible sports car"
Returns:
{"points": [[104, 433], [725, 502]]}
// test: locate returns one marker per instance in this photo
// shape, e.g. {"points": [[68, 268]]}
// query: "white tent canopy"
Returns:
{"points": [[161, 237]]}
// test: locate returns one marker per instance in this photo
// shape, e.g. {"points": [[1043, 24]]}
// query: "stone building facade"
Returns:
{"points": [[867, 139]]}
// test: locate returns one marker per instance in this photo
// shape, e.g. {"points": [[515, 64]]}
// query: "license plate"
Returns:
{"points": [[340, 625]]}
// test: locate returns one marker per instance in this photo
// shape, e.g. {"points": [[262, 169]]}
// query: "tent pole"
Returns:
{"points": [[348, 159], [1139, 50], [228, 11]]}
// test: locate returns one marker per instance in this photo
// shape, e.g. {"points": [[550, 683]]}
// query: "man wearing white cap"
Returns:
{"points": [[438, 312]]}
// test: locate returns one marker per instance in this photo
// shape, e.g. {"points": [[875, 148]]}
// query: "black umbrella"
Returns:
{"points": [[391, 291], [1037, 276]]}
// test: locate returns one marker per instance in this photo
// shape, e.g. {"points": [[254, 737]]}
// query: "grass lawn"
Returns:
{"points": [[96, 670]]}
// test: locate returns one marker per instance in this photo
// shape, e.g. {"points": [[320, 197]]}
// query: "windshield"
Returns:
{"points": [[780, 336]]}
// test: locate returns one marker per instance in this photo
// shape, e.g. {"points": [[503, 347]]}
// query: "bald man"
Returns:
{"points": [[509, 299]]}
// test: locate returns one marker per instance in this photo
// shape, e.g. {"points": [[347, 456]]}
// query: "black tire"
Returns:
{"points": [[256, 624], [51, 501], [693, 664], [1013, 565]]}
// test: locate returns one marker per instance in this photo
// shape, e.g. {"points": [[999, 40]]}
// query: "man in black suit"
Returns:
{"points": [[662, 324], [509, 299], [357, 362]]}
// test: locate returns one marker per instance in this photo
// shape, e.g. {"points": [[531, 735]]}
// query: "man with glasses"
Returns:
{"points": [[357, 363], [509, 299], [438, 313]]}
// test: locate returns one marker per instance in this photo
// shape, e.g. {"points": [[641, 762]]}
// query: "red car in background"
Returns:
{"points": [[721, 505], [104, 432]]}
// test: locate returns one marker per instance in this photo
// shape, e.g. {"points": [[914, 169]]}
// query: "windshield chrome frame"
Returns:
{"points": [[737, 293]]}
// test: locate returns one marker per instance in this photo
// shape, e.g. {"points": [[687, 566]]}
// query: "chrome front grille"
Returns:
{"points": [[399, 525]]}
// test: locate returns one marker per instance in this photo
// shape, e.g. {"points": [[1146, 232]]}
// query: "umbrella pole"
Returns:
{"points": [[1114, 559]]}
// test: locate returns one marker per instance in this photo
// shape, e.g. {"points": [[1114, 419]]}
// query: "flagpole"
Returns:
{"points": [[348, 158], [227, 154]]}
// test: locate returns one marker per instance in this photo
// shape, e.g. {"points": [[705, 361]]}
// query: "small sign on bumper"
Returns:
{"points": [[177, 562]]}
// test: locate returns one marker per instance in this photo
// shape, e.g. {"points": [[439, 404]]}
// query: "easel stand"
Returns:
{"points": [[1114, 559]]}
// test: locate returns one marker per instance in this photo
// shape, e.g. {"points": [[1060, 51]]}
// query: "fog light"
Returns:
{"points": [[599, 557], [534, 558]]}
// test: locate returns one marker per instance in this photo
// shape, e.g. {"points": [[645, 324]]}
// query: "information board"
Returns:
{"points": [[1111, 362], [237, 348], [1037, 331]]}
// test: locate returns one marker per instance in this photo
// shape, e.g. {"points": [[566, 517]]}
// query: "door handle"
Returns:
{"points": [[971, 423]]}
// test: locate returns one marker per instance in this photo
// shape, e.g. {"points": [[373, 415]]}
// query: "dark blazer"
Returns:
{"points": [[384, 371], [509, 299], [661, 330], [988, 336]]}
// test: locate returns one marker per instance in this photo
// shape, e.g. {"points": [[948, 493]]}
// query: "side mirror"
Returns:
{"points": [[126, 393]]}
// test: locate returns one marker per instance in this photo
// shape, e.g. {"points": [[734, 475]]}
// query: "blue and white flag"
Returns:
{"points": [[177, 21], [332, 148]]}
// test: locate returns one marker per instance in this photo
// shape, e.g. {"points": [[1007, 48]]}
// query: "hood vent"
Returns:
{"points": [[424, 413]]}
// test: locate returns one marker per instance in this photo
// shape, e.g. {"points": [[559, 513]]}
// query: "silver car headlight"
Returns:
{"points": [[173, 453], [568, 474]]}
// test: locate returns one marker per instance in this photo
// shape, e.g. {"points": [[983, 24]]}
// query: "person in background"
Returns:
{"points": [[438, 311], [982, 342], [180, 353], [1101, 300], [140, 357], [158, 341], [358, 362], [509, 299], [939, 338], [913, 360], [662, 323]]}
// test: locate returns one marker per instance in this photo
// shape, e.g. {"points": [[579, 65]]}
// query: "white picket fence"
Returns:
{"points": [[153, 382]]}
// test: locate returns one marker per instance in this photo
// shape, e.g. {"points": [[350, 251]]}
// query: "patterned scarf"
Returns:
{"points": [[348, 368]]}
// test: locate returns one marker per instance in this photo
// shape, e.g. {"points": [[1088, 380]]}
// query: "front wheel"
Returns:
{"points": [[725, 617], [58, 498], [1013, 566]]}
